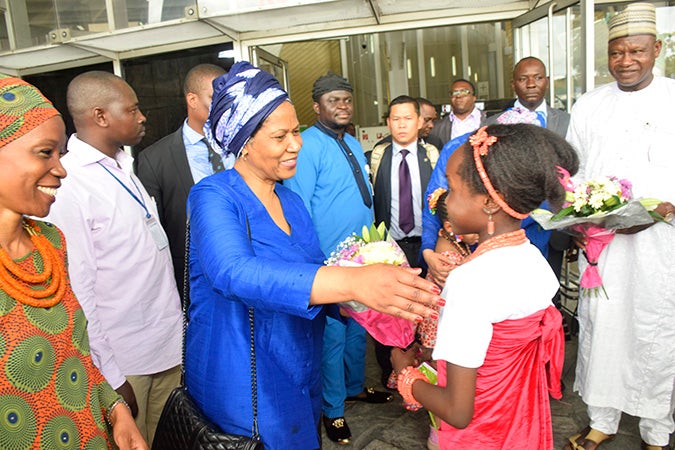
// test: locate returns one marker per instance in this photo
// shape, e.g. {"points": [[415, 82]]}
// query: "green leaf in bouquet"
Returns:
{"points": [[365, 234], [612, 202], [659, 218], [586, 211], [563, 213], [650, 203], [374, 234], [382, 231]]}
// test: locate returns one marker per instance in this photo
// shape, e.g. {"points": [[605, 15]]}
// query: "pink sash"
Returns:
{"points": [[522, 367]]}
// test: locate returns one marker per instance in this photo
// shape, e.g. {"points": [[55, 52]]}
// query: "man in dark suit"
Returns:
{"points": [[385, 162], [530, 82], [400, 171], [429, 115], [171, 166]]}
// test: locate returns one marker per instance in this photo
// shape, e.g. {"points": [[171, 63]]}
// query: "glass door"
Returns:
{"points": [[554, 36], [272, 64]]}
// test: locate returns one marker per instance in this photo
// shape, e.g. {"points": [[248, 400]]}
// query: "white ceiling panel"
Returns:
{"points": [[254, 21], [148, 36], [390, 7], [289, 17], [34, 60]]}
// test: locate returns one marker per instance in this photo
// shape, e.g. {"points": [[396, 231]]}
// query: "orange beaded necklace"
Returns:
{"points": [[34, 289], [511, 238]]}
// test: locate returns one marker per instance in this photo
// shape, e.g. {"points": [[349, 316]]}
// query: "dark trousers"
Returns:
{"points": [[411, 247]]}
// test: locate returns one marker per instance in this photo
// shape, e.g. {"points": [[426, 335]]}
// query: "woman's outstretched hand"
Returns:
{"points": [[397, 291]]}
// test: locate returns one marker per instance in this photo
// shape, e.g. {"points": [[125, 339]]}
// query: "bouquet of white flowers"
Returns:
{"points": [[595, 209], [372, 247]]}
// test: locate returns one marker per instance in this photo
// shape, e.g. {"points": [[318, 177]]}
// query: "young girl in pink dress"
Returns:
{"points": [[500, 340]]}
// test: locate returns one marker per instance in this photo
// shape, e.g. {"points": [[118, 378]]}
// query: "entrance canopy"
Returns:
{"points": [[38, 36]]}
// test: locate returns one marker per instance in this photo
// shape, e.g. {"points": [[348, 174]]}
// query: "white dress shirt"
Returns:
{"points": [[198, 154], [413, 166], [124, 283], [468, 124]]}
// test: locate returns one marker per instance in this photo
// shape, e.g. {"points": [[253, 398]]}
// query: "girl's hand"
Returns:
{"points": [[439, 266], [424, 354], [401, 359]]}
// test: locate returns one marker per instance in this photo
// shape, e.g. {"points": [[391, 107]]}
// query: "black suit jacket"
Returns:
{"points": [[164, 170], [433, 140], [382, 187]]}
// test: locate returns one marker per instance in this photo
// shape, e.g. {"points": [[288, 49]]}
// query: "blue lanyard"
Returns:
{"points": [[135, 197]]}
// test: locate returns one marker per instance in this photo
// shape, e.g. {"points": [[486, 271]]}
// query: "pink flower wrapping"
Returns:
{"points": [[386, 329], [597, 238]]}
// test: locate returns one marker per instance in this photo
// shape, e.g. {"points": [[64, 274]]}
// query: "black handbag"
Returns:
{"points": [[182, 425]]}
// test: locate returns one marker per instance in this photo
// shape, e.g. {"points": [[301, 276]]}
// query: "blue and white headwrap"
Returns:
{"points": [[242, 100]]}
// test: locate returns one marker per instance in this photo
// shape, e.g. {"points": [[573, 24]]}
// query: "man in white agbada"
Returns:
{"points": [[626, 359]]}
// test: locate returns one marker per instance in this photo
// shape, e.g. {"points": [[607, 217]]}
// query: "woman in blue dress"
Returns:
{"points": [[253, 245]]}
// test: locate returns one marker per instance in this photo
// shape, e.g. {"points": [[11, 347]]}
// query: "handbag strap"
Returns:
{"points": [[186, 305]]}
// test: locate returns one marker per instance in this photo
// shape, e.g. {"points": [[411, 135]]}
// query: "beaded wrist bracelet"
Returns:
{"points": [[406, 378], [112, 407]]}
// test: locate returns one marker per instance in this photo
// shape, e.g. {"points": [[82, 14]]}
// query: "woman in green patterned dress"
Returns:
{"points": [[51, 394]]}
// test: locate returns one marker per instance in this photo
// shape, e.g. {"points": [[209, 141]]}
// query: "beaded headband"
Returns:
{"points": [[481, 142], [432, 199]]}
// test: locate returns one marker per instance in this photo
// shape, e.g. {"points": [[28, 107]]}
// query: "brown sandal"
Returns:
{"points": [[588, 439]]}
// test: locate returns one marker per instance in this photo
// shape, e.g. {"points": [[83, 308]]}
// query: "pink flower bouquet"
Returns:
{"points": [[372, 248], [595, 209]]}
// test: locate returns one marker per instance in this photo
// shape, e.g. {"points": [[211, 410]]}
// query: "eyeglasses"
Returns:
{"points": [[458, 92]]}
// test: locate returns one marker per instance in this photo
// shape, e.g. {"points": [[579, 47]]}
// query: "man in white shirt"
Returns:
{"points": [[118, 255], [464, 117], [626, 355]]}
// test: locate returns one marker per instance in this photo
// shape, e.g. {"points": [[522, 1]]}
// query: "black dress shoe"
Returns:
{"points": [[337, 430], [370, 395]]}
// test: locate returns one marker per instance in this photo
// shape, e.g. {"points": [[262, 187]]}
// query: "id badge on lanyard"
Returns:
{"points": [[155, 229], [157, 233]]}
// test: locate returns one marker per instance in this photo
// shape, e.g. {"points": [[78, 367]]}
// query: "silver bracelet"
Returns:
{"points": [[120, 400]]}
